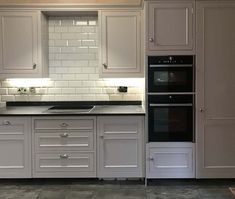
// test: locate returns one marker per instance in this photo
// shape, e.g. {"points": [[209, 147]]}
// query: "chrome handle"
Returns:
{"points": [[34, 66], [160, 105], [151, 39], [105, 65], [170, 65], [6, 122], [64, 125], [64, 135], [64, 156]]}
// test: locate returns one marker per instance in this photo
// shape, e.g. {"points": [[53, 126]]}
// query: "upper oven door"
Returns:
{"points": [[170, 78]]}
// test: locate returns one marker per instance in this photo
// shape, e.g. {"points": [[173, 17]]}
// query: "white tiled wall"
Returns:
{"points": [[73, 68]]}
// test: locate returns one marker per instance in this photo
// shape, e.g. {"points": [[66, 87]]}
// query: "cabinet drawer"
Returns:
{"points": [[80, 124], [64, 140], [65, 162], [12, 127]]}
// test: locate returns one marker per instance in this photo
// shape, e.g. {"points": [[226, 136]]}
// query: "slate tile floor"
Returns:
{"points": [[96, 189]]}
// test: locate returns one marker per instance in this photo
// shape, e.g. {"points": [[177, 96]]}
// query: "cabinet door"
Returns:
{"points": [[170, 160], [15, 147], [215, 90], [170, 26], [18, 42], [120, 44], [120, 146]]}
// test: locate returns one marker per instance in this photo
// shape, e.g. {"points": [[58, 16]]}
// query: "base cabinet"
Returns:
{"points": [[15, 147], [64, 147], [170, 160], [120, 147]]}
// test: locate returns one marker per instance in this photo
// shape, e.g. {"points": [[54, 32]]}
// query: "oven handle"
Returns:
{"points": [[157, 105], [173, 65]]}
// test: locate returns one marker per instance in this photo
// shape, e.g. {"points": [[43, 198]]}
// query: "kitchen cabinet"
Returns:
{"points": [[170, 27], [121, 44], [23, 44], [215, 113], [120, 146], [170, 160], [64, 147], [15, 147]]}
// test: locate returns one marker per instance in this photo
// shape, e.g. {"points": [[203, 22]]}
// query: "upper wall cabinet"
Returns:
{"points": [[23, 44], [121, 47], [170, 26]]}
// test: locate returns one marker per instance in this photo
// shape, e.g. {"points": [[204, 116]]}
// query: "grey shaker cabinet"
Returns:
{"points": [[120, 146], [170, 26], [15, 147], [121, 44], [64, 147], [215, 113], [23, 44]]}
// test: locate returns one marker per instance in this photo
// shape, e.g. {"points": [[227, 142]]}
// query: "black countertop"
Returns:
{"points": [[100, 108]]}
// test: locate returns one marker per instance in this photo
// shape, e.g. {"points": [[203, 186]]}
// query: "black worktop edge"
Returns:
{"points": [[56, 103]]}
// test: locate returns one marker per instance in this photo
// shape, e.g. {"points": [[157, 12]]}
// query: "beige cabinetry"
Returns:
{"points": [[170, 27], [23, 44], [64, 147], [170, 160], [121, 46], [15, 147], [215, 119], [120, 146]]}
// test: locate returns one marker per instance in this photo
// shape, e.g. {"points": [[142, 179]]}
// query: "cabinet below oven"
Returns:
{"points": [[170, 160]]}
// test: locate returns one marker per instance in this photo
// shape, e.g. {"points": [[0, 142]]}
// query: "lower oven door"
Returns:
{"points": [[170, 122]]}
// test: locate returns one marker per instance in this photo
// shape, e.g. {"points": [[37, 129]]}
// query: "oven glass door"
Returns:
{"points": [[170, 79], [170, 123]]}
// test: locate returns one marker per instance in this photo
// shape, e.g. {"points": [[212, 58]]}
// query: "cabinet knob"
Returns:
{"points": [[64, 135], [201, 110], [64, 156], [34, 66], [151, 159], [105, 65], [6, 122], [64, 125], [151, 39], [101, 137]]}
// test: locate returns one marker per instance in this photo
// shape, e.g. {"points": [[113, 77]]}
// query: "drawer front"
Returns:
{"points": [[61, 162], [64, 140], [50, 124]]}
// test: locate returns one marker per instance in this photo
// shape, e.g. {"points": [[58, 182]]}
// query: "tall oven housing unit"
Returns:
{"points": [[170, 107]]}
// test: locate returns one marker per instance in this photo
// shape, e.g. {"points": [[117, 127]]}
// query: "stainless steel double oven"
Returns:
{"points": [[170, 94]]}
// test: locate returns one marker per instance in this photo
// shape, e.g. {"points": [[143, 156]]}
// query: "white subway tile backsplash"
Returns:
{"points": [[75, 42], [60, 29], [6, 98], [61, 42], [82, 90], [54, 90], [75, 29], [82, 76], [61, 84], [73, 67], [75, 84], [54, 36], [68, 90], [3, 91]]}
